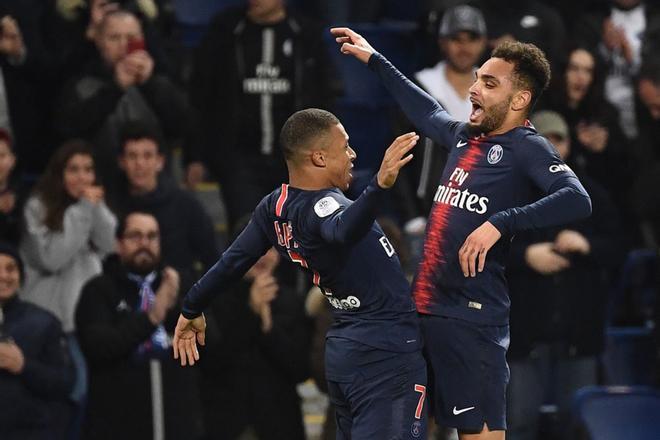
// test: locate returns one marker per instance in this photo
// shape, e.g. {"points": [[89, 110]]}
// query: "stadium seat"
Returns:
{"points": [[394, 40], [636, 291], [628, 358], [616, 413], [193, 17]]}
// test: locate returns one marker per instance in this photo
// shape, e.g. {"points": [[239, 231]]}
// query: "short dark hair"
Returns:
{"points": [[139, 129], [531, 67], [302, 128], [123, 220]]}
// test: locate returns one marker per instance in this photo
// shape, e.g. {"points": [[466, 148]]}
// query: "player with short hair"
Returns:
{"points": [[374, 366], [495, 162]]}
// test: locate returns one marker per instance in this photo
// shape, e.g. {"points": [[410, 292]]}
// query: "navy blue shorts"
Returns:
{"points": [[377, 394], [468, 372]]}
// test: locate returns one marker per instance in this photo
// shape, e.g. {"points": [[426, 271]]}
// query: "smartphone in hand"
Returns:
{"points": [[135, 45]]}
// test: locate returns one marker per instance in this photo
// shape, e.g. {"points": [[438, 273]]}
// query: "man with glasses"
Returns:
{"points": [[124, 318]]}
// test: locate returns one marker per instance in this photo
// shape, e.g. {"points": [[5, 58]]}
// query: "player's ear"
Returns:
{"points": [[318, 158], [521, 100]]}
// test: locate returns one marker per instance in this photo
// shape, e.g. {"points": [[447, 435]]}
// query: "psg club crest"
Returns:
{"points": [[416, 428], [495, 154]]}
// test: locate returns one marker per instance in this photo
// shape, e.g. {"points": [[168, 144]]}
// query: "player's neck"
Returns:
{"points": [[302, 179], [512, 121]]}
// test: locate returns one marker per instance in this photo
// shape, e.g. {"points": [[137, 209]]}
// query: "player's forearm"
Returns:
{"points": [[216, 280], [565, 205], [419, 106], [356, 220]]}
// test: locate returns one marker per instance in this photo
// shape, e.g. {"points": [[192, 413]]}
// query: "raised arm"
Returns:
{"points": [[422, 109]]}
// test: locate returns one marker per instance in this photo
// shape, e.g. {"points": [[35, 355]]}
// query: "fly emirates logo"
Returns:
{"points": [[450, 195]]}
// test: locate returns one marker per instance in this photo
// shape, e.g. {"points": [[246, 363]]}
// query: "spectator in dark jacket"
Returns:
{"points": [[187, 234], [273, 63], [252, 366], [121, 84], [36, 374], [123, 320], [559, 280]]}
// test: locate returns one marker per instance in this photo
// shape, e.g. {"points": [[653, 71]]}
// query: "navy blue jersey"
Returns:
{"points": [[485, 179], [344, 251]]}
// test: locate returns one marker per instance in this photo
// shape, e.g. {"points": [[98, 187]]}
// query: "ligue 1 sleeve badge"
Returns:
{"points": [[495, 154]]}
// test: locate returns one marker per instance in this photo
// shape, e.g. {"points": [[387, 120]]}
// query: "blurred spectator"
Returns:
{"points": [[645, 198], [598, 147], [529, 21], [273, 63], [68, 230], [35, 370], [124, 321], [78, 23], [26, 81], [119, 85], [187, 234], [10, 195], [648, 92], [462, 41], [621, 34], [260, 353], [557, 277]]}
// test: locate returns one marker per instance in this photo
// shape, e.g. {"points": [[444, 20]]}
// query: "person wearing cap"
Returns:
{"points": [[36, 375], [557, 276], [462, 41]]}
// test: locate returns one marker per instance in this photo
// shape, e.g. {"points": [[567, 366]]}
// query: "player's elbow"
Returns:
{"points": [[583, 205]]}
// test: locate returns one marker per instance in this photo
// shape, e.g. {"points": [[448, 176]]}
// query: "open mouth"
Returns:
{"points": [[477, 111]]}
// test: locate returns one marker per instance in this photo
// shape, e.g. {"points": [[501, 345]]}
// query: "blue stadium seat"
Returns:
{"points": [[637, 286], [396, 41], [628, 358], [370, 130], [193, 17], [616, 413]]}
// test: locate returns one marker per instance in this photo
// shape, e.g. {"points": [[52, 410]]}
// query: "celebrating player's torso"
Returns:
{"points": [[483, 176], [363, 281]]}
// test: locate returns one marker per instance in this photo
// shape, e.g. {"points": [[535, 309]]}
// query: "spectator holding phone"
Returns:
{"points": [[117, 86]]}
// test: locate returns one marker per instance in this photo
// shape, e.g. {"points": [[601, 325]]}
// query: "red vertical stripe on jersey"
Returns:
{"points": [[281, 200], [433, 257]]}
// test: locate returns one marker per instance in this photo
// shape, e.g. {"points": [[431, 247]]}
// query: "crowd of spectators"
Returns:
{"points": [[99, 239]]}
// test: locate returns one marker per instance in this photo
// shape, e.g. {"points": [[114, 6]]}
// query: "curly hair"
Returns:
{"points": [[50, 186], [531, 67]]}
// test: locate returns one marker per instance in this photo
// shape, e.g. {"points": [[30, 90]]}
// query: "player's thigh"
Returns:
{"points": [[342, 413], [470, 372], [392, 405]]}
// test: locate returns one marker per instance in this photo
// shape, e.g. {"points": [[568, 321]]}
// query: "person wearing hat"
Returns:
{"points": [[462, 42], [557, 276], [36, 374]]}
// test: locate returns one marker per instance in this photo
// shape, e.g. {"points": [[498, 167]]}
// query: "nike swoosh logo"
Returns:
{"points": [[461, 144], [461, 411]]}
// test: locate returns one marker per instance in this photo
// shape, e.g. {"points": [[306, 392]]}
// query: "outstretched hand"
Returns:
{"points": [[353, 43], [477, 245], [186, 335], [395, 158]]}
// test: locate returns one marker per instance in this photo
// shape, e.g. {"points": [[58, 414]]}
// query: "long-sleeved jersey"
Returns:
{"points": [[485, 179], [345, 252]]}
